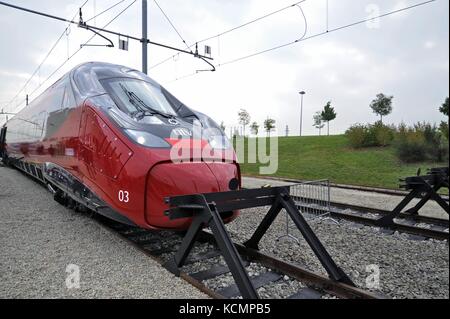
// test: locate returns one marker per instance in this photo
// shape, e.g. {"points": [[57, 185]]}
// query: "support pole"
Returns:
{"points": [[302, 93], [301, 116], [144, 37]]}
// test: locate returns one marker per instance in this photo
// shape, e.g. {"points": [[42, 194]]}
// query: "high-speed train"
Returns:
{"points": [[109, 138]]}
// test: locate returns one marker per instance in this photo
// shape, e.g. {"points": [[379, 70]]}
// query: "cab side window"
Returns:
{"points": [[53, 103], [55, 97], [69, 98]]}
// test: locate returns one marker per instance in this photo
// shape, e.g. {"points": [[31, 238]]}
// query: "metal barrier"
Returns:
{"points": [[313, 197], [313, 200], [426, 188], [205, 211]]}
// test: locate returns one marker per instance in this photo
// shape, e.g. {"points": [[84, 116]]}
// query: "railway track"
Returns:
{"points": [[204, 266], [378, 190], [418, 226]]}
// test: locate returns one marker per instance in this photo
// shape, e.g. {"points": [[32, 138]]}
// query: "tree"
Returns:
{"points": [[244, 118], [222, 126], [318, 122], [255, 128], [269, 125], [444, 125], [382, 105], [328, 114], [444, 107]]}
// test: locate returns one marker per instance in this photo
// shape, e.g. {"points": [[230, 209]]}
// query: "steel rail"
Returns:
{"points": [[377, 190], [305, 276], [418, 218], [368, 221], [301, 274]]}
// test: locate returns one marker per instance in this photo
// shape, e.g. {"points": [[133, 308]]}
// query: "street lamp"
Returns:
{"points": [[302, 93]]}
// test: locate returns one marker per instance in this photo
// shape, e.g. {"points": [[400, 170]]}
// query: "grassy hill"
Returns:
{"points": [[330, 157]]}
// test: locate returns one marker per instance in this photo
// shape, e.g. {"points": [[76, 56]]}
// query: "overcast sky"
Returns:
{"points": [[405, 55]]}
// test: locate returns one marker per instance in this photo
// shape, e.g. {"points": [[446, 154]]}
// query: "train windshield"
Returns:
{"points": [[138, 98]]}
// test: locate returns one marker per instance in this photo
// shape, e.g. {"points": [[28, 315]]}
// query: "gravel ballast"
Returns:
{"points": [[407, 268], [39, 239]]}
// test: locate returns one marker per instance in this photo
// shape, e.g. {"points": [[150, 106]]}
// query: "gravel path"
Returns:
{"points": [[40, 238], [408, 268], [358, 198]]}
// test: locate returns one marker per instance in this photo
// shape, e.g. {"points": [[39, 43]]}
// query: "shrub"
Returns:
{"points": [[360, 136], [444, 130], [384, 135], [435, 142], [409, 145], [356, 135], [411, 152], [419, 143]]}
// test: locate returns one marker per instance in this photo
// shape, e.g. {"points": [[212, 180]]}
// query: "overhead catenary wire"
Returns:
{"points": [[327, 13], [78, 50], [106, 10], [303, 37], [251, 22], [173, 26], [233, 29], [222, 64], [329, 31], [94, 29], [36, 71], [89, 40], [90, 27]]}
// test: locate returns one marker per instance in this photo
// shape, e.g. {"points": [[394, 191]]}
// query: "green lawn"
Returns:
{"points": [[330, 157]]}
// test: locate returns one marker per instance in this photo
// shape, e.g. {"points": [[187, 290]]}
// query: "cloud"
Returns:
{"points": [[430, 45], [398, 6], [348, 67]]}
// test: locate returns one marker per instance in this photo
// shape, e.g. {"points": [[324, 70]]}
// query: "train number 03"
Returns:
{"points": [[124, 196]]}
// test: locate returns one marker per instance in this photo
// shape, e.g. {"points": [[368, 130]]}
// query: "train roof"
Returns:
{"points": [[105, 70], [87, 76]]}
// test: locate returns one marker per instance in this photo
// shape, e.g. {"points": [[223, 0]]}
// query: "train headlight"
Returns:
{"points": [[147, 139], [219, 142]]}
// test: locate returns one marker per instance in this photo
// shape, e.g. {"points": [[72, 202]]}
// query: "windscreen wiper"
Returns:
{"points": [[134, 99], [140, 111]]}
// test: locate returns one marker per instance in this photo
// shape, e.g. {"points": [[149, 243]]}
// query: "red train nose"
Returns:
{"points": [[174, 179]]}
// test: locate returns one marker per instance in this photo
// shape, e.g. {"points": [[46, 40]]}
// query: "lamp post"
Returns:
{"points": [[302, 93]]}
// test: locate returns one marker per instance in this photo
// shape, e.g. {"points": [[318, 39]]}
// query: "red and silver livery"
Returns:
{"points": [[111, 139]]}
